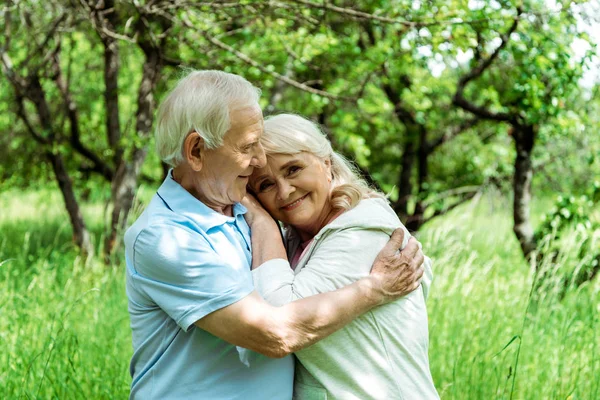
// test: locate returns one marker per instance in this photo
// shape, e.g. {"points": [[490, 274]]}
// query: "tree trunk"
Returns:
{"points": [[405, 188], [123, 193], [524, 138], [111, 98], [111, 82], [80, 234], [417, 219], [125, 183], [36, 94]]}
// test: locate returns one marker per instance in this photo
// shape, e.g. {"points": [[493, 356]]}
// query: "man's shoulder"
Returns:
{"points": [[161, 223]]}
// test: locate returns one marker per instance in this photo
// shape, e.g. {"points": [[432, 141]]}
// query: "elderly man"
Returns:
{"points": [[200, 331]]}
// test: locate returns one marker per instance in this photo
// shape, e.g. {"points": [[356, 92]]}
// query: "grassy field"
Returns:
{"points": [[64, 328]]}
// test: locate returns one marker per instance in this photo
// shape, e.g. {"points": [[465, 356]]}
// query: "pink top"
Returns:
{"points": [[299, 253]]}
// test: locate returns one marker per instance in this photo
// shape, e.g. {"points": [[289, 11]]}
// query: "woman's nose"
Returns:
{"points": [[284, 190]]}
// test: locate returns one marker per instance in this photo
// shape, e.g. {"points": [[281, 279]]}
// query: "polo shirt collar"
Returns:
{"points": [[182, 202]]}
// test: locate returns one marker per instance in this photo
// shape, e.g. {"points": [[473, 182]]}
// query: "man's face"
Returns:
{"points": [[226, 169]]}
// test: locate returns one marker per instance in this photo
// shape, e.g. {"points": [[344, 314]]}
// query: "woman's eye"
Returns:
{"points": [[264, 186], [293, 169]]}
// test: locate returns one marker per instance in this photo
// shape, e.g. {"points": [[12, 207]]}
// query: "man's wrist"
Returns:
{"points": [[372, 290]]}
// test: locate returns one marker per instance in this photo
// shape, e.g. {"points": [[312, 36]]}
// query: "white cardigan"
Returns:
{"points": [[381, 354]]}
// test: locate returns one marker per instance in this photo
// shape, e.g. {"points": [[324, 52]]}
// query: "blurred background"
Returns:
{"points": [[480, 119]]}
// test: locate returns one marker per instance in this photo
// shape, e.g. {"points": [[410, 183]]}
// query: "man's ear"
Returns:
{"points": [[193, 150]]}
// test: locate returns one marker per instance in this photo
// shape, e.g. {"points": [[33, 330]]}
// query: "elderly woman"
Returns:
{"points": [[335, 226]]}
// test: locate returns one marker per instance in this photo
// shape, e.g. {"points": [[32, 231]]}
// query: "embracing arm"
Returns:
{"points": [[336, 260], [277, 331]]}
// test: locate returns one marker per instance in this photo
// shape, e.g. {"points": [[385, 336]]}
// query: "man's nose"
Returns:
{"points": [[260, 158]]}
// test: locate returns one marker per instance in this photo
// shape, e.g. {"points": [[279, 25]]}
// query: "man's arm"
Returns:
{"points": [[278, 331]]}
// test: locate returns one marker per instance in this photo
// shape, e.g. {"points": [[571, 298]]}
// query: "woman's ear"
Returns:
{"points": [[193, 150], [328, 170]]}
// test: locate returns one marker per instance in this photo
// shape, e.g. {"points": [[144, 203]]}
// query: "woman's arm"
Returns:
{"points": [[275, 280], [340, 259]]}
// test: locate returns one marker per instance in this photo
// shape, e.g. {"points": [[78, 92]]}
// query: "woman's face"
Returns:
{"points": [[294, 188]]}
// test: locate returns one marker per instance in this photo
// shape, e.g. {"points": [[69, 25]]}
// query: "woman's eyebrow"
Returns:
{"points": [[260, 178], [287, 164]]}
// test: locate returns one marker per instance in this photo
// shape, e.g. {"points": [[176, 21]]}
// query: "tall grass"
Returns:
{"points": [[64, 329], [64, 325], [490, 336]]}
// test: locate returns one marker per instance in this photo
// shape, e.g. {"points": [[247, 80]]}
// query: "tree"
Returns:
{"points": [[533, 79]]}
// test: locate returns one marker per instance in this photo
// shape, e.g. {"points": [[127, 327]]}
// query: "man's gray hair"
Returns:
{"points": [[200, 102]]}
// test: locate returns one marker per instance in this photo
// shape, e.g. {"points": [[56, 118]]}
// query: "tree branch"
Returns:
{"points": [[23, 115], [257, 65], [361, 15], [440, 212], [40, 48], [452, 133], [477, 70], [75, 134]]}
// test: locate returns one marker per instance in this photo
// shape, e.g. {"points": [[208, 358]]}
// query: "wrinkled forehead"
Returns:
{"points": [[277, 163], [245, 121], [241, 114]]}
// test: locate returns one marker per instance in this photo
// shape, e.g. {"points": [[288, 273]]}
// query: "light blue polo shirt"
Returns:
{"points": [[184, 261]]}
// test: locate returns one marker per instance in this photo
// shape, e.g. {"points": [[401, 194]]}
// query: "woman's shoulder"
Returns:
{"points": [[370, 213]]}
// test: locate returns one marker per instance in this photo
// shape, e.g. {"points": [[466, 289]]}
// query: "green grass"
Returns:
{"points": [[64, 331], [64, 328]]}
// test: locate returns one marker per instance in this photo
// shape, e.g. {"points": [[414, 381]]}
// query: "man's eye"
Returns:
{"points": [[248, 147]]}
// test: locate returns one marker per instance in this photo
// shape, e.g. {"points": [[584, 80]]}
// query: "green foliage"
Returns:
{"points": [[569, 240], [570, 211], [344, 56]]}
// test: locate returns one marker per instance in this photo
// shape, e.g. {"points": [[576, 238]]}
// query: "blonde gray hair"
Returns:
{"points": [[200, 102], [293, 134]]}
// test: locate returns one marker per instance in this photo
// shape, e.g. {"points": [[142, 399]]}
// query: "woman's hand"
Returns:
{"points": [[266, 237], [398, 273], [256, 212]]}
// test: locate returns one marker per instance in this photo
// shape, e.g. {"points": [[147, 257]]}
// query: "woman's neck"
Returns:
{"points": [[308, 233]]}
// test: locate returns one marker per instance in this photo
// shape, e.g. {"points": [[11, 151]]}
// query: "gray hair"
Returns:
{"points": [[201, 102], [293, 134]]}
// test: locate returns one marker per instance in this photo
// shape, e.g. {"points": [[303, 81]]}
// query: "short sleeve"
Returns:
{"points": [[179, 271]]}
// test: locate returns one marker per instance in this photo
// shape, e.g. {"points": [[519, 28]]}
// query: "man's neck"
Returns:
{"points": [[180, 177]]}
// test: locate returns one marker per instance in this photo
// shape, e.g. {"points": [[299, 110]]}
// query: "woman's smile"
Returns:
{"points": [[295, 204]]}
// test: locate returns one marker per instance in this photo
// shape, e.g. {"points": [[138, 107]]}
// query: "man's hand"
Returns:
{"points": [[396, 274]]}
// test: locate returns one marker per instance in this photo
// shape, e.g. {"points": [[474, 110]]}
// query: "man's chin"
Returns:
{"points": [[237, 197]]}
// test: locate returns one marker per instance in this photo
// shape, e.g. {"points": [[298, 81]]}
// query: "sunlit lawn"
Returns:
{"points": [[64, 331]]}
